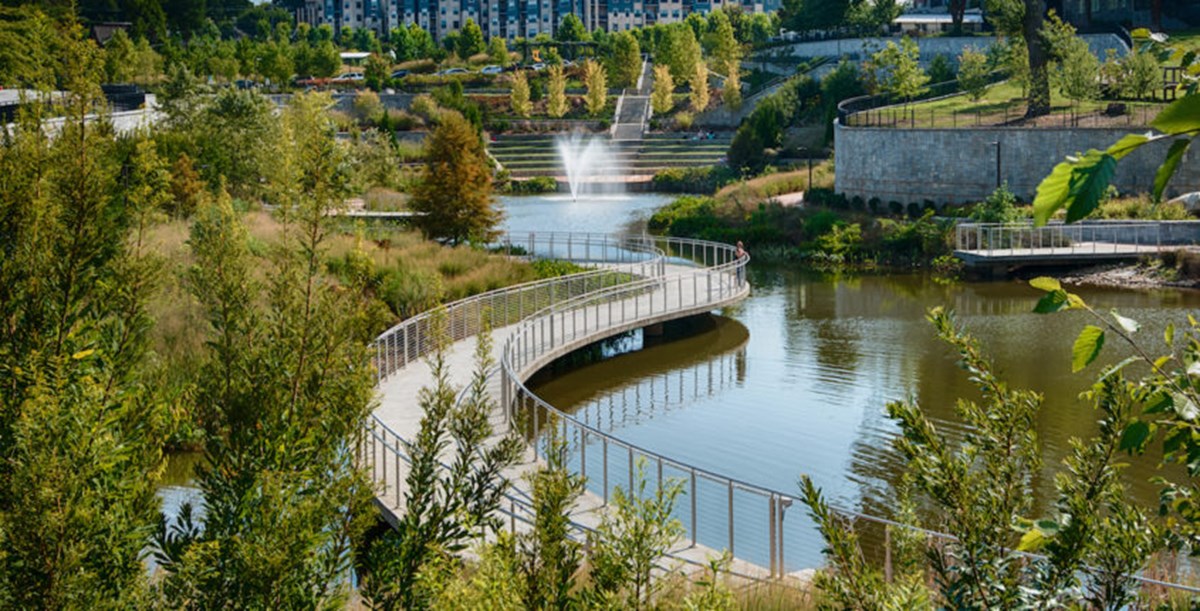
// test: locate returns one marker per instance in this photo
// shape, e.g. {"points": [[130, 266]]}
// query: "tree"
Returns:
{"points": [[285, 395], [325, 60], [470, 42], [187, 189], [377, 71], [662, 99], [444, 508], [803, 15], [401, 44], [556, 97], [455, 191], [1035, 47], [732, 94], [1141, 74], [1079, 183], [636, 531], [80, 434], [940, 69], [571, 30], [720, 43], [898, 70], [982, 488], [625, 60], [698, 83], [498, 51], [519, 97], [597, 87], [973, 73], [1078, 75], [118, 58], [679, 50]]}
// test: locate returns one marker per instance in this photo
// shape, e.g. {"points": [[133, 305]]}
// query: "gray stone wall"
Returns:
{"points": [[954, 166], [950, 46]]}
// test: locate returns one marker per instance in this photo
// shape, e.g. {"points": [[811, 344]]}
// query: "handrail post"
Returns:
{"points": [[693, 498], [730, 488], [771, 534]]}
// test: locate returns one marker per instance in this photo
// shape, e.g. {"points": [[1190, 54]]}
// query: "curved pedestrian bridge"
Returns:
{"points": [[635, 282]]}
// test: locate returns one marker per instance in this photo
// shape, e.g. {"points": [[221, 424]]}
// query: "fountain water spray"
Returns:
{"points": [[583, 161]]}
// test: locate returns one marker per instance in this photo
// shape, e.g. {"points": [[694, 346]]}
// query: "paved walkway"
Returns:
{"points": [[676, 295]]}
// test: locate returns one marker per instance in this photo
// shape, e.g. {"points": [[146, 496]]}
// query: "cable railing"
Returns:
{"points": [[556, 316], [623, 256], [1055, 239]]}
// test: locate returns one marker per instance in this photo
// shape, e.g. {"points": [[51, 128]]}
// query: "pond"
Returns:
{"points": [[796, 379]]}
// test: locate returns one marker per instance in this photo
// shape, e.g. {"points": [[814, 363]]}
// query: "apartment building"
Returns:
{"points": [[509, 19]]}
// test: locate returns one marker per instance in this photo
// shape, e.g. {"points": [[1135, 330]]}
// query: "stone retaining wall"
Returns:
{"points": [[954, 166], [950, 46]]}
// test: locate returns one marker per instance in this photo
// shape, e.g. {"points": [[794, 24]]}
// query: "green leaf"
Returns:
{"points": [[1117, 368], [1157, 403], [1134, 437], [1128, 324], [1181, 117], [1045, 283], [1169, 165], [1127, 145], [1185, 408], [1169, 335], [1088, 186], [1087, 347], [1031, 541], [1077, 183], [1140, 33], [1048, 527], [1054, 301]]}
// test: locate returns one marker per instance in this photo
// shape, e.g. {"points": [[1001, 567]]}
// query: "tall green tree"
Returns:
{"points": [[596, 79], [898, 70], [498, 51], [470, 41], [556, 92], [661, 98], [284, 396], [698, 83], [519, 96], [444, 509], [625, 60], [80, 435], [972, 73], [455, 191]]}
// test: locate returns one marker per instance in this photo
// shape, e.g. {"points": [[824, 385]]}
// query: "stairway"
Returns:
{"points": [[529, 155]]}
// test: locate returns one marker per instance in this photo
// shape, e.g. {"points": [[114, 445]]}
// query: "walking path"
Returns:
{"points": [[570, 313]]}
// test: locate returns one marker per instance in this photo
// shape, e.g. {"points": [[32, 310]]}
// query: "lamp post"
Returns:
{"points": [[808, 158], [997, 143]]}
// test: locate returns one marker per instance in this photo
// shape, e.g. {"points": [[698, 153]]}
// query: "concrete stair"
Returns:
{"points": [[526, 156]]}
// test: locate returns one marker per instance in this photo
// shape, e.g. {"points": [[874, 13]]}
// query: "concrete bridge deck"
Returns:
{"points": [[666, 291]]}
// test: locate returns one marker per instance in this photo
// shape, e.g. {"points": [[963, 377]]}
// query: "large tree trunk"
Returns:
{"points": [[1039, 77], [958, 9]]}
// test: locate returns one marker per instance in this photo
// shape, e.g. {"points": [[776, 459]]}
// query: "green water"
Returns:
{"points": [[796, 378]]}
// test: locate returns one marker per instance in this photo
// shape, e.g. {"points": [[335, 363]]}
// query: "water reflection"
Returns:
{"points": [[823, 359]]}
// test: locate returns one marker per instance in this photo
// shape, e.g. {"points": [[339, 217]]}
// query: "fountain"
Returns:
{"points": [[585, 162]]}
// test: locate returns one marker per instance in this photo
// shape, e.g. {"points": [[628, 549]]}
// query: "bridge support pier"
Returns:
{"points": [[654, 330]]}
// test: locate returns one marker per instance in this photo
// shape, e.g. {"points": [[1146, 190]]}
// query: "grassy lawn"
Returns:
{"points": [[1188, 40], [1004, 102]]}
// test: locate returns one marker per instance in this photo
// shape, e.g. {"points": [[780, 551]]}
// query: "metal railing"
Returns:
{"points": [[412, 339], [1055, 239], [558, 315]]}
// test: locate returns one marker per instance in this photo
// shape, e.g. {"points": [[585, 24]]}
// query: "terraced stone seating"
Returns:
{"points": [[537, 154]]}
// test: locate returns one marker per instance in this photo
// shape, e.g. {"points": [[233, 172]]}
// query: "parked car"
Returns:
{"points": [[451, 71], [400, 73], [538, 66], [349, 77], [493, 69]]}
